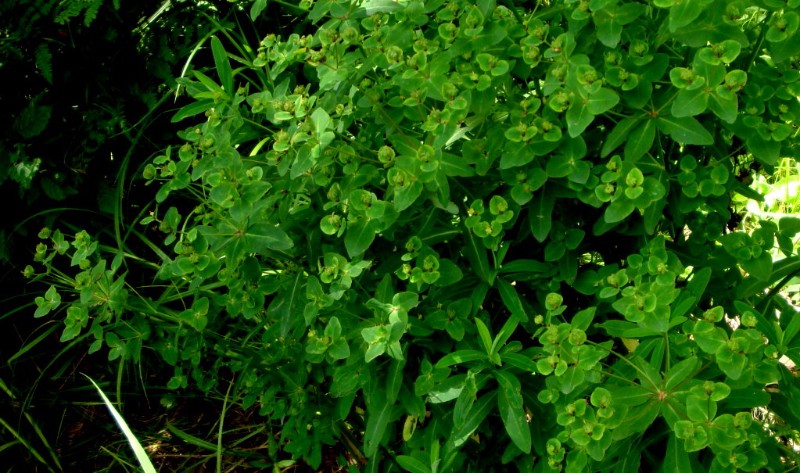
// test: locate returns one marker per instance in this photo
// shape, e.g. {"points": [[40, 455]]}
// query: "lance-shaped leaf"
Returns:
{"points": [[640, 141], [685, 130], [578, 117], [511, 300], [476, 414], [476, 254], [378, 414], [619, 135], [262, 237], [360, 235], [541, 214], [509, 401], [222, 64]]}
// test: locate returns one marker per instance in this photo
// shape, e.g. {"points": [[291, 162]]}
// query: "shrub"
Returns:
{"points": [[472, 234], [84, 79]]}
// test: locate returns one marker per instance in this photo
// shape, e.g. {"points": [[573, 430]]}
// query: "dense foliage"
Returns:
{"points": [[83, 81], [460, 235], [88, 88]]}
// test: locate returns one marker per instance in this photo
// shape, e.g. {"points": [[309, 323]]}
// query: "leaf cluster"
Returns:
{"points": [[476, 233]]}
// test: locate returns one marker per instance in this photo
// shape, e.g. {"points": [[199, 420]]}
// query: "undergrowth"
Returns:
{"points": [[440, 236]]}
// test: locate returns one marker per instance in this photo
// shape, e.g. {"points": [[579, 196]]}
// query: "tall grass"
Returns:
{"points": [[138, 450]]}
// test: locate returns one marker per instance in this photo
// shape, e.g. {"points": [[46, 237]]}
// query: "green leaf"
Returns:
{"points": [[680, 372], [321, 120], [766, 151], [511, 300], [684, 12], [640, 141], [334, 328], [747, 191], [394, 379], [480, 409], [619, 135], [709, 338], [727, 109], [45, 334], [630, 396], [466, 398], [222, 64], [766, 327], [515, 155], [540, 214], [628, 12], [287, 307], [50, 301], [578, 118], [601, 101], [792, 329], [33, 120], [752, 285], [402, 302], [676, 460], [747, 398], [521, 362], [455, 166], [759, 267], [256, 9], [377, 423], [787, 49], [618, 210], [504, 334], [459, 357], [699, 281], [194, 108], [136, 446], [637, 420], [44, 62], [449, 273], [190, 439], [685, 130], [732, 364], [406, 195], [376, 339], [412, 464], [509, 402], [340, 350], [359, 236], [559, 166], [207, 82], [583, 319], [263, 237], [476, 254], [689, 103], [485, 336], [608, 30]]}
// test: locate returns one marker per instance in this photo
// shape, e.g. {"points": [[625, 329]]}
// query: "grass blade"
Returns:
{"points": [[191, 439], [33, 343], [20, 439], [138, 450], [220, 431]]}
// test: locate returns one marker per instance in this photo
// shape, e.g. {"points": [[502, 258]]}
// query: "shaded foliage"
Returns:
{"points": [[470, 235]]}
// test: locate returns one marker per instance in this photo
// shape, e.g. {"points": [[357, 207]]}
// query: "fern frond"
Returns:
{"points": [[44, 62], [69, 9], [91, 12], [26, 14]]}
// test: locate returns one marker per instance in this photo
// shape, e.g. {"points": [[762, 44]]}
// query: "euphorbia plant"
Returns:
{"points": [[480, 233]]}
